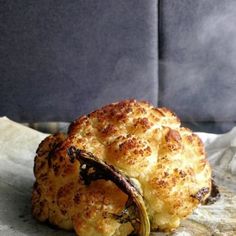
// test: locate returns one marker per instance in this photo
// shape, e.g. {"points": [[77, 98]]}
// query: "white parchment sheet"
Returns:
{"points": [[17, 150]]}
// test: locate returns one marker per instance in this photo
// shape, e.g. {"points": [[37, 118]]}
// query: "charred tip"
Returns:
{"points": [[92, 168], [200, 195], [214, 195]]}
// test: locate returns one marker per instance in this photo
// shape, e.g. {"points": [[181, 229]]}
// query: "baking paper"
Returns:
{"points": [[18, 144]]}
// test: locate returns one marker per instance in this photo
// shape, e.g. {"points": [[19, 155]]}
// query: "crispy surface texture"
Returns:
{"points": [[147, 144]]}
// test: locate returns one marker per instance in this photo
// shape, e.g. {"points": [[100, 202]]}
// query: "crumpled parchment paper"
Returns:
{"points": [[17, 150]]}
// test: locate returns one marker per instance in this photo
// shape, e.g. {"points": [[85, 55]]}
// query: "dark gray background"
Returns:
{"points": [[60, 59]]}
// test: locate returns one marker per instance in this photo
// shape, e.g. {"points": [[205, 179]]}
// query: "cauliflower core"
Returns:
{"points": [[145, 143]]}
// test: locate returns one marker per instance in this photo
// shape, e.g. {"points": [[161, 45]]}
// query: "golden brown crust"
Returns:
{"points": [[144, 142]]}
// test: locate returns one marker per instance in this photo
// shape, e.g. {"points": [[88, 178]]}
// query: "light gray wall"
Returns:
{"points": [[197, 52]]}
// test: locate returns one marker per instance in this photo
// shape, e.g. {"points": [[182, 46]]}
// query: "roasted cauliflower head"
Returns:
{"points": [[126, 168]]}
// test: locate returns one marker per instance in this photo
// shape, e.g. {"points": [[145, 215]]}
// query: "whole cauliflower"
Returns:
{"points": [[147, 144]]}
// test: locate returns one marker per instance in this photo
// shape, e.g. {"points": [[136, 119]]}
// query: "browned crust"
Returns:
{"points": [[142, 141]]}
